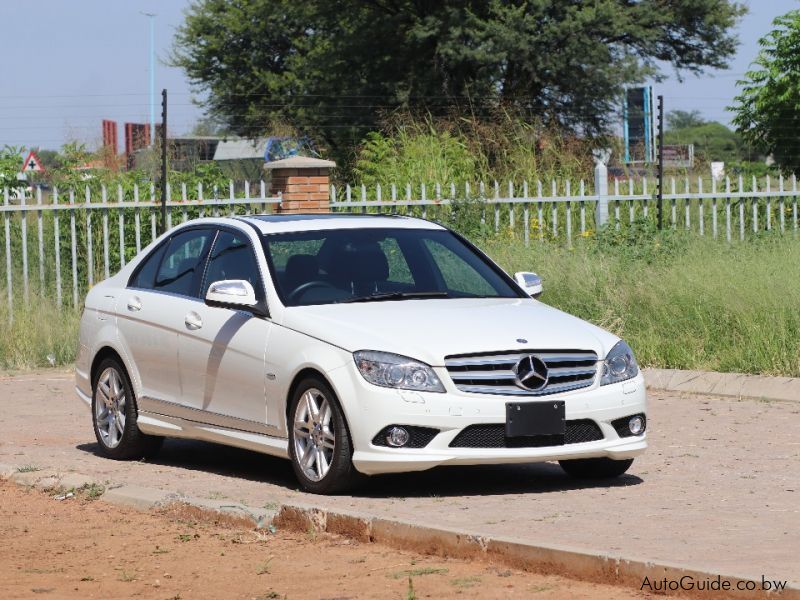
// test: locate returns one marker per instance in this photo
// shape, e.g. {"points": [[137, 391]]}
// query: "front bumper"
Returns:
{"points": [[370, 408]]}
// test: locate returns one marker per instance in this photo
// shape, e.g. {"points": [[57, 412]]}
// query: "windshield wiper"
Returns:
{"points": [[395, 296]]}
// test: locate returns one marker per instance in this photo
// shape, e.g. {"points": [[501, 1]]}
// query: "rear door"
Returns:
{"points": [[153, 311]]}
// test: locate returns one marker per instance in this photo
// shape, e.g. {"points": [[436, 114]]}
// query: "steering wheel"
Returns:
{"points": [[302, 289]]}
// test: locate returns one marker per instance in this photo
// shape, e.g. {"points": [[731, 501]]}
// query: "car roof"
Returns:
{"points": [[277, 223]]}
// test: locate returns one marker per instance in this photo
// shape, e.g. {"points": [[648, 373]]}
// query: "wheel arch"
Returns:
{"points": [[102, 354], [302, 374], [298, 378]]}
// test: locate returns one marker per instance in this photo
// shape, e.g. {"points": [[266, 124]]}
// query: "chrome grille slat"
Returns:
{"points": [[492, 373], [567, 371], [457, 375]]}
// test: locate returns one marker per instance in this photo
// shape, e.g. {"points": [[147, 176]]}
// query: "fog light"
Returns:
{"points": [[397, 437], [636, 425]]}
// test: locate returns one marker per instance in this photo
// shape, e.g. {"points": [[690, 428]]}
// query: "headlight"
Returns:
{"points": [[395, 371], [619, 365]]}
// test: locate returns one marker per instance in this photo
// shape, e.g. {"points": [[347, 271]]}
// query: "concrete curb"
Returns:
{"points": [[732, 385], [596, 567]]}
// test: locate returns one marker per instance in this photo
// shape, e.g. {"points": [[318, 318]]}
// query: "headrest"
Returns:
{"points": [[302, 263], [348, 264], [371, 266]]}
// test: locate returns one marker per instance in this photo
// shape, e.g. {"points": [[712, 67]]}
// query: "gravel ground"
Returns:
{"points": [[718, 490], [79, 548]]}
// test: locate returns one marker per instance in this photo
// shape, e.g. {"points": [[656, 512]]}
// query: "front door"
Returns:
{"points": [[222, 351]]}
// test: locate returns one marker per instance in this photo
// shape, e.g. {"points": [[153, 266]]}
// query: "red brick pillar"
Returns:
{"points": [[303, 183]]}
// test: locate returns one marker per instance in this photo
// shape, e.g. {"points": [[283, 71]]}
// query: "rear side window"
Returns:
{"points": [[180, 269], [146, 273], [232, 258]]}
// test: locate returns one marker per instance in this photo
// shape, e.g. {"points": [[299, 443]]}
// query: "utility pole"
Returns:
{"points": [[163, 160], [151, 19], [660, 162]]}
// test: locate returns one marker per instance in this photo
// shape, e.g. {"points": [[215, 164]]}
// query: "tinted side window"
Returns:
{"points": [[146, 273], [232, 258], [180, 270]]}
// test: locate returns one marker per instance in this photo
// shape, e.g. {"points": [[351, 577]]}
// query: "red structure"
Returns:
{"points": [[137, 136], [110, 135]]}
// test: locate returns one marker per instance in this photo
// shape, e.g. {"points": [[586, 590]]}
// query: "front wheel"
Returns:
{"points": [[595, 468], [114, 415], [319, 441]]}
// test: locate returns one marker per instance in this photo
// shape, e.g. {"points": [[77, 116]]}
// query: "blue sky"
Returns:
{"points": [[67, 65]]}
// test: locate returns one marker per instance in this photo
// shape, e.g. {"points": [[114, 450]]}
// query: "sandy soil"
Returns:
{"points": [[86, 548]]}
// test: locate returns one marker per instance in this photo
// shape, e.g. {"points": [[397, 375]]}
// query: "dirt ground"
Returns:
{"points": [[85, 548]]}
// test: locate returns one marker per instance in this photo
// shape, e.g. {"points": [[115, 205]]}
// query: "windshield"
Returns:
{"points": [[372, 265]]}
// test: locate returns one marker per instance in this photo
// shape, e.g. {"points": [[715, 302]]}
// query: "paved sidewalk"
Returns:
{"points": [[719, 490], [734, 385]]}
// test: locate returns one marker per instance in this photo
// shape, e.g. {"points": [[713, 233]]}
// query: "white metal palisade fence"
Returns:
{"points": [[726, 209], [59, 243]]}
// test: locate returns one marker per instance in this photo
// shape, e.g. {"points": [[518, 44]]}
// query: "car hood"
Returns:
{"points": [[430, 329]]}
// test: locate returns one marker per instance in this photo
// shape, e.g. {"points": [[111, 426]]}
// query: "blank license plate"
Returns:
{"points": [[535, 418]]}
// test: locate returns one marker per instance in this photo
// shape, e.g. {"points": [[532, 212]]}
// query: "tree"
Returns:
{"points": [[768, 107], [683, 119], [10, 166], [334, 68], [712, 141]]}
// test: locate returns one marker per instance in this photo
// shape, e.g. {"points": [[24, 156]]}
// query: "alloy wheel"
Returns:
{"points": [[109, 407], [314, 439]]}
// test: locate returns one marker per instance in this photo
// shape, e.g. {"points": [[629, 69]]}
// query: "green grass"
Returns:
{"points": [[680, 302], [40, 335], [28, 469], [418, 572]]}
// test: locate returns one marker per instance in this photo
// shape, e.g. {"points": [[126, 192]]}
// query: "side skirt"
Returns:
{"points": [[156, 424]]}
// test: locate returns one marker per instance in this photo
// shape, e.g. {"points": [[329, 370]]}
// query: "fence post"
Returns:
{"points": [[601, 190], [9, 284]]}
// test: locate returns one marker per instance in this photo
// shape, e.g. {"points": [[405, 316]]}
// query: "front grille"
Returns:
{"points": [[493, 435], [492, 372], [419, 437]]}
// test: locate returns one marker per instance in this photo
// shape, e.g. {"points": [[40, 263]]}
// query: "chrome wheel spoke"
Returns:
{"points": [[105, 392], [119, 421], [308, 457], [113, 437], [311, 406], [328, 438], [114, 384], [302, 429], [321, 463], [325, 414]]}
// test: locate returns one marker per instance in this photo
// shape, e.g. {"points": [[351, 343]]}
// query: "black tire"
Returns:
{"points": [[595, 468], [340, 475], [131, 443]]}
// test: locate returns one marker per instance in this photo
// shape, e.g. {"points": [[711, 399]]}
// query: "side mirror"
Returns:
{"points": [[237, 294], [530, 282]]}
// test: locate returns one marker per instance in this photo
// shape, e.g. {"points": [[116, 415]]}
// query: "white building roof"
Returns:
{"points": [[241, 149]]}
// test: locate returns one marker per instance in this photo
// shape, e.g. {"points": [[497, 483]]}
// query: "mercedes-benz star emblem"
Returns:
{"points": [[531, 373]]}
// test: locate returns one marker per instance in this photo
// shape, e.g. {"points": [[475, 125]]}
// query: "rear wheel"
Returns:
{"points": [[319, 441], [114, 415], [595, 468]]}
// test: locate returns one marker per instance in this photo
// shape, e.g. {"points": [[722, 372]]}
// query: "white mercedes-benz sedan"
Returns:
{"points": [[352, 345]]}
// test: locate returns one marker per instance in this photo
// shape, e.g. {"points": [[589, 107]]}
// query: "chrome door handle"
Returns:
{"points": [[193, 321], [134, 304]]}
